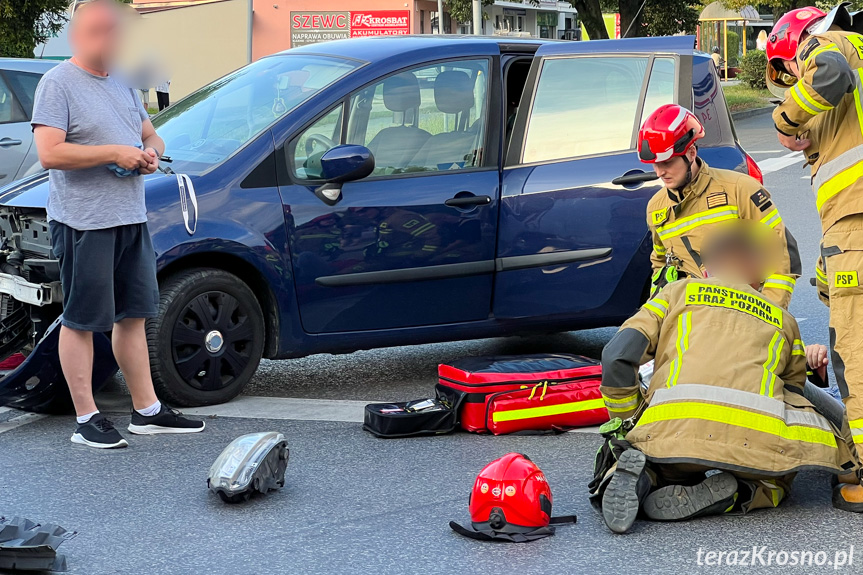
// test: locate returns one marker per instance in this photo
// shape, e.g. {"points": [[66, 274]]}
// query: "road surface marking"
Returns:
{"points": [[252, 407], [771, 165], [23, 419], [297, 409], [5, 410]]}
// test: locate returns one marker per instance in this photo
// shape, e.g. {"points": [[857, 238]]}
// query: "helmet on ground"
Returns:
{"points": [[669, 131], [510, 501], [782, 44], [511, 495]]}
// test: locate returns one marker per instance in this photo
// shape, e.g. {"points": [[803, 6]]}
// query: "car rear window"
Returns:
{"points": [[587, 105]]}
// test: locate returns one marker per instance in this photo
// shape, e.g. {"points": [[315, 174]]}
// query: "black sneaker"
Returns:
{"points": [[713, 496], [99, 433], [166, 421], [628, 486]]}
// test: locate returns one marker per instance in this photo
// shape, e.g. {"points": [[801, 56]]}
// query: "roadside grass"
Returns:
{"points": [[742, 97]]}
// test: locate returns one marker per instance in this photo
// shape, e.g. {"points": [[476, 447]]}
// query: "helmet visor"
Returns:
{"points": [[776, 74]]}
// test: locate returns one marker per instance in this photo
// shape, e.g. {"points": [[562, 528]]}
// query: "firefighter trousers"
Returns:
{"points": [[842, 253], [754, 491]]}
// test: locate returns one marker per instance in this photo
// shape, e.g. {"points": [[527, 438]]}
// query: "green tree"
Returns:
{"points": [[26, 23], [780, 7], [462, 10], [657, 18]]}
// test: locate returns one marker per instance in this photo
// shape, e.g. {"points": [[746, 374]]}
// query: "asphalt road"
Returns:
{"points": [[354, 504]]}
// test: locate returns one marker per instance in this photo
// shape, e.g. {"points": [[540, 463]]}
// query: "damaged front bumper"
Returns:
{"points": [[31, 301]]}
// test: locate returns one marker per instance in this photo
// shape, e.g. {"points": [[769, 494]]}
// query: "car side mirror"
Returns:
{"points": [[343, 164]]}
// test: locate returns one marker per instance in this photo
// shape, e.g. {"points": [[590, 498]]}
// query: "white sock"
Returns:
{"points": [[82, 419], [152, 410]]}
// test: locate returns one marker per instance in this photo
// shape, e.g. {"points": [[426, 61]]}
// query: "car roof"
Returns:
{"points": [[374, 48], [27, 64]]}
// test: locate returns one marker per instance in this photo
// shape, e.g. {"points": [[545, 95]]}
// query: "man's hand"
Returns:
{"points": [[816, 358], [152, 164], [792, 143], [132, 158]]}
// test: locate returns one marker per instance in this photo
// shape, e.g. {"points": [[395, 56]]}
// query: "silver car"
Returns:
{"points": [[18, 80]]}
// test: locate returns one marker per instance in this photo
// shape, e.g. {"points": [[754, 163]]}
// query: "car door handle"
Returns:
{"points": [[634, 178], [6, 142], [466, 201]]}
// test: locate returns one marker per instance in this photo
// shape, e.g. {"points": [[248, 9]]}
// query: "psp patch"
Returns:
{"points": [[809, 48], [760, 198], [846, 279], [717, 200], [658, 217]]}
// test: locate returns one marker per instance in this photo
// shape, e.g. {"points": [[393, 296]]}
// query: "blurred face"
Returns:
{"points": [[673, 171], [738, 266], [94, 34]]}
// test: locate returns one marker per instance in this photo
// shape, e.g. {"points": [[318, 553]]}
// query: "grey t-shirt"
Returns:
{"points": [[92, 110]]}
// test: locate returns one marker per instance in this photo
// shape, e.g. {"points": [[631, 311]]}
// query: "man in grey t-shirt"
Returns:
{"points": [[96, 139]]}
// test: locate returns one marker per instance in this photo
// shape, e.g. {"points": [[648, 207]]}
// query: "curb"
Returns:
{"points": [[750, 113]]}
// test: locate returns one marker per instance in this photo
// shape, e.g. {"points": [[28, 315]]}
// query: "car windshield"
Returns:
{"points": [[206, 127]]}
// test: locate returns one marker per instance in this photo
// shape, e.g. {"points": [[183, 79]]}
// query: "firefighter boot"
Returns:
{"points": [[713, 496], [848, 497], [628, 487]]}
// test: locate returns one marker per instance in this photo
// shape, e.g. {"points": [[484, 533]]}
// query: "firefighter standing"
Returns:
{"points": [[821, 67], [701, 413], [696, 197]]}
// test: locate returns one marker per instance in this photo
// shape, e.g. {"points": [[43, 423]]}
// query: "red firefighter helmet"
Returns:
{"points": [[669, 131], [782, 44], [510, 495]]}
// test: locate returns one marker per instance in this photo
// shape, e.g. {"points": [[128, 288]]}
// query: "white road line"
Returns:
{"points": [[252, 407], [19, 421], [5, 409], [291, 408], [773, 164]]}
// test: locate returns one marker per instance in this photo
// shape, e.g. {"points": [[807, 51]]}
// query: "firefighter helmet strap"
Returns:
{"points": [[489, 535]]}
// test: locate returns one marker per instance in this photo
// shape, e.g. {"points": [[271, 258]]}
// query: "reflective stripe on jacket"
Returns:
{"points": [[679, 223], [825, 107], [727, 387]]}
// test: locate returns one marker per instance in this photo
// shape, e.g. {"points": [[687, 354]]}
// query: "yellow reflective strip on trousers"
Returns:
{"points": [[546, 410], [821, 274], [738, 418], [810, 99], [684, 324], [629, 399], [800, 101]]}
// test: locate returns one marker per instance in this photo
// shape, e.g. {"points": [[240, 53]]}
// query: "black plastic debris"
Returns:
{"points": [[29, 546]]}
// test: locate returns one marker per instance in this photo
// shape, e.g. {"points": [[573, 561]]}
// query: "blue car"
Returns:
{"points": [[384, 191]]}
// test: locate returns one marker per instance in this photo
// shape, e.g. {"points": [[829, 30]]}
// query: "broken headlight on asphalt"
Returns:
{"points": [[250, 463]]}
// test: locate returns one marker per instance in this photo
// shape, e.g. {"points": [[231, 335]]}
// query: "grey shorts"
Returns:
{"points": [[108, 275]]}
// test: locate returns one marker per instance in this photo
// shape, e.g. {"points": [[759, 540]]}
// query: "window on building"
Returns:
{"points": [[587, 106]]}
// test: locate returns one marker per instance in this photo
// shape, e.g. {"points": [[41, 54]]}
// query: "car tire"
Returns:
{"points": [[207, 342]]}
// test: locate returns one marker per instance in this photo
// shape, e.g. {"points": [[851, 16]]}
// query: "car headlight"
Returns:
{"points": [[250, 463]]}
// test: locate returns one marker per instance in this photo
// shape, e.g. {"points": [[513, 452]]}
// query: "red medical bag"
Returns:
{"points": [[541, 392]]}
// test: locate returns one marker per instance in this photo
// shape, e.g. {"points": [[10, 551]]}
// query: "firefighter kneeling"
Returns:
{"points": [[724, 425]]}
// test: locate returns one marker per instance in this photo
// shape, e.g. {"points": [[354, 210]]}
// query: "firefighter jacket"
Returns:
{"points": [[825, 107], [727, 386], [680, 220]]}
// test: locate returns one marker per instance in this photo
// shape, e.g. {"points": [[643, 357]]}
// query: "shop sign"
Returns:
{"points": [[313, 27]]}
